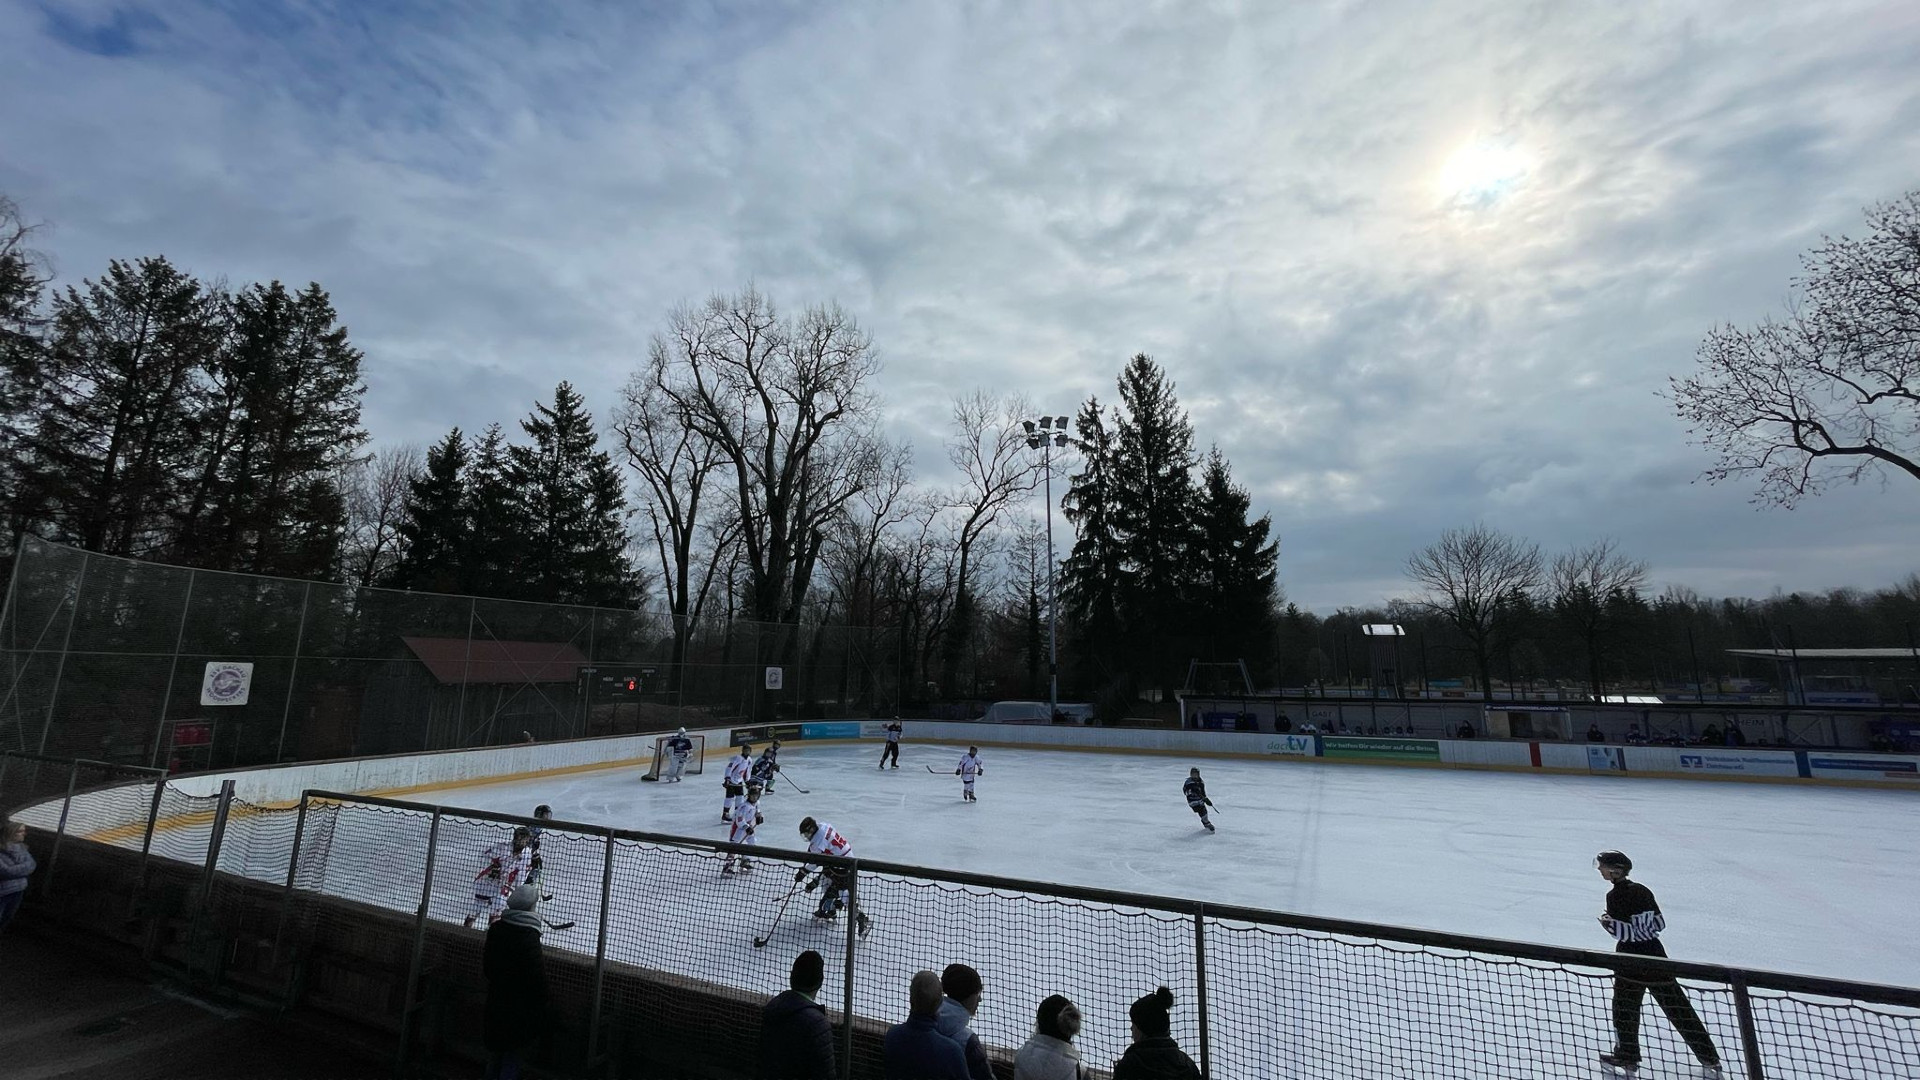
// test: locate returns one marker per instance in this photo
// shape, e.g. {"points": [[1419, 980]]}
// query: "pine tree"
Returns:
{"points": [[23, 274], [1153, 513], [115, 429], [435, 525], [283, 419], [576, 540], [1091, 576], [1235, 570], [492, 558]]}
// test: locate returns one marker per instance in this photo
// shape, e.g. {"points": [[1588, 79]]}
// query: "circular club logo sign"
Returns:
{"points": [[226, 684]]}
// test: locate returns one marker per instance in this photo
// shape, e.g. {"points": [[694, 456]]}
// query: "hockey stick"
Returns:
{"points": [[792, 783], [568, 925], [935, 772], [761, 942]]}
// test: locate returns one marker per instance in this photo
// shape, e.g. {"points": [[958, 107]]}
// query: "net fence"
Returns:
{"points": [[120, 661], [647, 933]]}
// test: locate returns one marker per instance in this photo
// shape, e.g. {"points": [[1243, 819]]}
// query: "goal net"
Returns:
{"points": [[662, 763]]}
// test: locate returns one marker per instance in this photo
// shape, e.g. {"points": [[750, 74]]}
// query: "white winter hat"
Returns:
{"points": [[523, 897]]}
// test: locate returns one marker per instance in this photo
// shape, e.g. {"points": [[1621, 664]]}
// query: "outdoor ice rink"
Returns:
{"points": [[1811, 880]]}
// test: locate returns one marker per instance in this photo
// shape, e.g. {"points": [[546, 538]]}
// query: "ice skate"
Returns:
{"points": [[862, 924], [1619, 1066], [1712, 1072], [1208, 824]]}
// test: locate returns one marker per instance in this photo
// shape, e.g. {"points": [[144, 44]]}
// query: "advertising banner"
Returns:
{"points": [[1334, 746], [835, 730], [226, 683], [1606, 759], [1733, 761], [1291, 745], [1862, 768]]}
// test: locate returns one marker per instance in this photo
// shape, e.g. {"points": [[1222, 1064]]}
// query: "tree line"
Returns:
{"points": [[742, 476]]}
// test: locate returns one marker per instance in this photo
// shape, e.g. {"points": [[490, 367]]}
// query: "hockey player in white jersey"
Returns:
{"points": [[679, 749], [734, 781], [824, 839], [745, 820], [969, 768], [506, 864]]}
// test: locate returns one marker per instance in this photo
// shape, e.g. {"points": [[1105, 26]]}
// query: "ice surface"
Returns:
{"points": [[1811, 880]]}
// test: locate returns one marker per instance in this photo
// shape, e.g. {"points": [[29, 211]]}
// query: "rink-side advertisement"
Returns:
{"points": [[1732, 761], [1336, 746]]}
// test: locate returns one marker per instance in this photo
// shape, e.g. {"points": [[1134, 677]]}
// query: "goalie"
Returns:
{"points": [[679, 749]]}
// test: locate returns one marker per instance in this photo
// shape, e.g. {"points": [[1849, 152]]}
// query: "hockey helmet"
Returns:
{"points": [[543, 810], [808, 826], [682, 731], [1615, 859], [521, 832]]}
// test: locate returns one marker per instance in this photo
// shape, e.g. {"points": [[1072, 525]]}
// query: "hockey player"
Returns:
{"points": [[824, 839], [745, 821], [768, 764], [536, 871], [1195, 790], [734, 781], [679, 749], [892, 749], [1634, 920], [969, 768], [506, 864]]}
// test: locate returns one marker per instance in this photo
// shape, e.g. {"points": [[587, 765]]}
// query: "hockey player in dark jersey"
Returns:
{"points": [[1195, 790], [768, 764], [1633, 918]]}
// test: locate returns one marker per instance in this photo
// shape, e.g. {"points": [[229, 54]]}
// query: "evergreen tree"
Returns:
{"points": [[282, 421], [1235, 570], [116, 393], [435, 525], [492, 558], [576, 539], [1154, 519], [1091, 575], [23, 274]]}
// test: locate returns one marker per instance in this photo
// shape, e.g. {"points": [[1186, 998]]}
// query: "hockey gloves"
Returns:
{"points": [[799, 875], [812, 885]]}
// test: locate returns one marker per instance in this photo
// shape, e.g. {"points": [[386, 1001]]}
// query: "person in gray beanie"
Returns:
{"points": [[516, 986], [1050, 1053]]}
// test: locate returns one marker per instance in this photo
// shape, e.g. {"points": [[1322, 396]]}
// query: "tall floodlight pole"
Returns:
{"points": [[1043, 435]]}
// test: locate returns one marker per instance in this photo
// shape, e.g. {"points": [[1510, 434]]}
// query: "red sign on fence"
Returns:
{"points": [[198, 733]]}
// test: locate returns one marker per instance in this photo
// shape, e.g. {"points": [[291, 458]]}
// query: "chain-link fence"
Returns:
{"points": [[159, 666], [658, 962]]}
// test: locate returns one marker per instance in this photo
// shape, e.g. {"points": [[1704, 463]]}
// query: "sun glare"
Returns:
{"points": [[1480, 174]]}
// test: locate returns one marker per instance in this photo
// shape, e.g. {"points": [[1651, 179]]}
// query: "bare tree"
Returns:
{"points": [[376, 495], [675, 462], [1592, 588], [1832, 392], [1479, 579], [785, 402], [989, 447]]}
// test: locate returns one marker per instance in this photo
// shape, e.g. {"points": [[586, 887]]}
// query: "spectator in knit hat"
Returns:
{"points": [[961, 985], [916, 1050], [1050, 1053], [516, 986], [796, 1042], [1154, 1055]]}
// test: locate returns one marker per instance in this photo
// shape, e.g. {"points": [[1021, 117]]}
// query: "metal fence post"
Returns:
{"points": [[293, 676], [1749, 1035], [66, 645], [846, 996], [146, 846], [286, 896], [600, 957], [60, 832], [197, 924], [173, 668], [1200, 978], [407, 1003]]}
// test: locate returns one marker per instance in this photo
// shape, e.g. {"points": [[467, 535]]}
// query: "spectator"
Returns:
{"points": [[961, 985], [1711, 734], [516, 986], [16, 862], [1466, 730], [1634, 736], [1736, 737], [796, 1041], [1594, 734], [1154, 1055], [916, 1050], [1050, 1053]]}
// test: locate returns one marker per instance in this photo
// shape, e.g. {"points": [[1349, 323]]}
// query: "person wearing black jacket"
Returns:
{"points": [[796, 1041], [1154, 1055], [1633, 918], [516, 986]]}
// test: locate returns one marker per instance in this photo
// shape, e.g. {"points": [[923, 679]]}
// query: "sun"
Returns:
{"points": [[1482, 173]]}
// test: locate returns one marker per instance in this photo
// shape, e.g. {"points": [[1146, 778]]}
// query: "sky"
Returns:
{"points": [[1411, 265]]}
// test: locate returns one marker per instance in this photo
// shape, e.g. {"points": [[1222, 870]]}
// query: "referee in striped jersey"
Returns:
{"points": [[1633, 918]]}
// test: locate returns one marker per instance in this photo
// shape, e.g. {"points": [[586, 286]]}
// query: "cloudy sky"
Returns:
{"points": [[1412, 264]]}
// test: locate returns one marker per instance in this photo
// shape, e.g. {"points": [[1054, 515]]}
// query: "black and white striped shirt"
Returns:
{"points": [[1637, 922]]}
